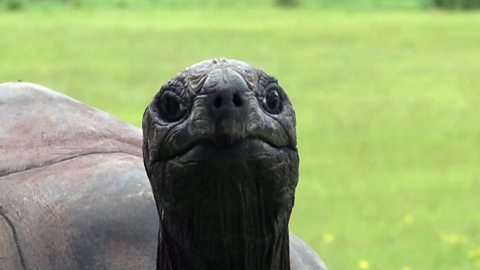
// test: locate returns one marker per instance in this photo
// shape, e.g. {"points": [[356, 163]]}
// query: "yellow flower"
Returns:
{"points": [[474, 254], [363, 264], [453, 239], [408, 219], [328, 238]]}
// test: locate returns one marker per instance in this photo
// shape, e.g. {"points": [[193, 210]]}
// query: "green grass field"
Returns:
{"points": [[189, 4], [387, 106]]}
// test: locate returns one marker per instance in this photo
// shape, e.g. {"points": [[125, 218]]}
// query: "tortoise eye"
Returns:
{"points": [[272, 102], [171, 107]]}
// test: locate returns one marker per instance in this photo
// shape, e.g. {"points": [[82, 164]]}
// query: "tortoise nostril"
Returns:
{"points": [[237, 101], [218, 102]]}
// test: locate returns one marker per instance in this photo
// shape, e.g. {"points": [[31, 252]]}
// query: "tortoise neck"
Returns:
{"points": [[233, 216], [225, 213], [270, 252]]}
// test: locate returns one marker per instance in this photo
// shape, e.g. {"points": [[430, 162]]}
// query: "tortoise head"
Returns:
{"points": [[220, 152]]}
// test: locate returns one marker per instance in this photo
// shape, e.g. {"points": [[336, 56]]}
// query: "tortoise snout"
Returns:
{"points": [[226, 94], [227, 101]]}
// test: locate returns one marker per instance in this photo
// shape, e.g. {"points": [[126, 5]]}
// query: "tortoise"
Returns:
{"points": [[209, 185]]}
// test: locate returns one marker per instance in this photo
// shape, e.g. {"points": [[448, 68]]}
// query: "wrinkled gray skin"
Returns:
{"points": [[73, 189], [221, 154]]}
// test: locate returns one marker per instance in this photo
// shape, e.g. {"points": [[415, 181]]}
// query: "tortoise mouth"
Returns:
{"points": [[225, 148]]}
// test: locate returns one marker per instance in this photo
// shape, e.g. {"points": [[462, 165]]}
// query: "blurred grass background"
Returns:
{"points": [[386, 93]]}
